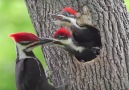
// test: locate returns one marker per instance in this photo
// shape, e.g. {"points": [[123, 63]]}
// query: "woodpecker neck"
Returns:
{"points": [[22, 52]]}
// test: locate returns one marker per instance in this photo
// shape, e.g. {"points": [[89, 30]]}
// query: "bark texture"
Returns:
{"points": [[110, 71]]}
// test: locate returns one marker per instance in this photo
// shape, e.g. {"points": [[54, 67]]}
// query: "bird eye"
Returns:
{"points": [[62, 37], [67, 14]]}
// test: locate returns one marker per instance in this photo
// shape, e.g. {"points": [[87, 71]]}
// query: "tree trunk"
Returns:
{"points": [[110, 70]]}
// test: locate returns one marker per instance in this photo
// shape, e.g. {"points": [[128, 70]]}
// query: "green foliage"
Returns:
{"points": [[14, 18], [127, 4]]}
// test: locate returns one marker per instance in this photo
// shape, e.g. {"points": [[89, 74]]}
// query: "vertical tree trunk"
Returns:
{"points": [[110, 71]]}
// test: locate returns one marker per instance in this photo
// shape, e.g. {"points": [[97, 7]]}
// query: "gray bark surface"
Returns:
{"points": [[110, 71]]}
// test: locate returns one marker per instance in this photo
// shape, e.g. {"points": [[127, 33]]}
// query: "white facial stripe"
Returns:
{"points": [[36, 42], [73, 21], [21, 51], [70, 43]]}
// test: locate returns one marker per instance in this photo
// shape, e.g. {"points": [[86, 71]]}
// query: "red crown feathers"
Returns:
{"points": [[23, 36], [69, 10], [62, 31]]}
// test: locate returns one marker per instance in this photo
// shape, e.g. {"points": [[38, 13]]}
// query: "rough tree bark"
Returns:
{"points": [[110, 71]]}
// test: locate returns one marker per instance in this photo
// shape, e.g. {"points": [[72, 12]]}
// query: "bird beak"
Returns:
{"points": [[45, 41], [49, 41], [52, 15], [57, 16]]}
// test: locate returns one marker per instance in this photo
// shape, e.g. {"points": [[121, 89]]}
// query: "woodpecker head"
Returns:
{"points": [[66, 17], [65, 21], [60, 38], [26, 41], [62, 34]]}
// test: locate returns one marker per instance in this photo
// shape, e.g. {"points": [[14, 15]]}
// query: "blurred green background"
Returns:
{"points": [[14, 18]]}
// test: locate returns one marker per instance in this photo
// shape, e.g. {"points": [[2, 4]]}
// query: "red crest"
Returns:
{"points": [[62, 31], [69, 10], [23, 36]]}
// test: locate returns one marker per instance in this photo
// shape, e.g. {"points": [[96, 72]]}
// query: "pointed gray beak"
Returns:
{"points": [[53, 15], [49, 41], [57, 16], [44, 40]]}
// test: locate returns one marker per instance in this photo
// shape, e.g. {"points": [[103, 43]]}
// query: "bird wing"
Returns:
{"points": [[28, 73], [32, 70], [19, 74], [35, 78]]}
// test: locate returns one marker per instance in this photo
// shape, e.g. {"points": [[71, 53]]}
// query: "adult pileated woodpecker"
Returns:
{"points": [[30, 74], [83, 33], [64, 39]]}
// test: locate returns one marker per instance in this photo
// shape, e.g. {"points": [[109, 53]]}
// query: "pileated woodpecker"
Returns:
{"points": [[63, 38], [29, 72], [83, 33]]}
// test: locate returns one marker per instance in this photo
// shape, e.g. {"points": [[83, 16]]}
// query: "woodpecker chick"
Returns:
{"points": [[63, 38], [68, 12], [82, 33], [29, 72]]}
